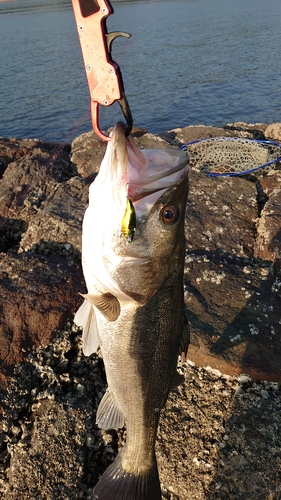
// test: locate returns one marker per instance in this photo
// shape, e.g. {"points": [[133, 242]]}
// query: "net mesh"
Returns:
{"points": [[232, 156]]}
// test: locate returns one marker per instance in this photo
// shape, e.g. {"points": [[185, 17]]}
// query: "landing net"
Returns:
{"points": [[232, 156]]}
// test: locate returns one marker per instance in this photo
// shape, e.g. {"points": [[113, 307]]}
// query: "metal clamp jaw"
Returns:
{"points": [[103, 74]]}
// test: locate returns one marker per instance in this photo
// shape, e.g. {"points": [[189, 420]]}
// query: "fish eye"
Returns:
{"points": [[170, 214]]}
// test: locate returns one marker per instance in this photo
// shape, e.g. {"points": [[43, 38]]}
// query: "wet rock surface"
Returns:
{"points": [[225, 442]]}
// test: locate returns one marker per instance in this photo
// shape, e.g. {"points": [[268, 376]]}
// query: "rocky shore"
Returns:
{"points": [[219, 436]]}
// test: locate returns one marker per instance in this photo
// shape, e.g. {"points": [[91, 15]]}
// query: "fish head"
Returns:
{"points": [[133, 266]]}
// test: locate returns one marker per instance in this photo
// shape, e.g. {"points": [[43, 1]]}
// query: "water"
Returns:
{"points": [[188, 62]]}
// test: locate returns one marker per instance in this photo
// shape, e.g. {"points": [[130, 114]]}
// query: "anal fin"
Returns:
{"points": [[108, 414]]}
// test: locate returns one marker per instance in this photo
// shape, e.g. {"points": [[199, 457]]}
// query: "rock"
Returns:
{"points": [[147, 141], [232, 302], [218, 436], [249, 130], [42, 202], [216, 208], [181, 136], [268, 241], [28, 182], [33, 463], [87, 153], [192, 133], [14, 149], [273, 132], [59, 221], [217, 431], [233, 245], [38, 295]]}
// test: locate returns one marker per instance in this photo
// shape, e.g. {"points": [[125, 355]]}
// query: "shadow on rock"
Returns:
{"points": [[11, 231], [249, 460], [253, 338]]}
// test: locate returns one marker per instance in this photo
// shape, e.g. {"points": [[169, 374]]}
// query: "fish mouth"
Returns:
{"points": [[144, 172], [124, 145]]}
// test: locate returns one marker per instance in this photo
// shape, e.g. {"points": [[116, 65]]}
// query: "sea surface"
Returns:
{"points": [[188, 62]]}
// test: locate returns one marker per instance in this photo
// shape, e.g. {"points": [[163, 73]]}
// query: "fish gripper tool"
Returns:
{"points": [[103, 74]]}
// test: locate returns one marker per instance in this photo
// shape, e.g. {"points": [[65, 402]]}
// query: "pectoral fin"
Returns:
{"points": [[86, 318], [107, 304], [108, 414]]}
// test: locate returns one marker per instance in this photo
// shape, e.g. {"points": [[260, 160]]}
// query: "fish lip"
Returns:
{"points": [[119, 148], [130, 167], [119, 130], [153, 178], [130, 259], [138, 191]]}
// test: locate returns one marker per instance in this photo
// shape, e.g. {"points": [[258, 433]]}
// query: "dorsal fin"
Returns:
{"points": [[106, 303]]}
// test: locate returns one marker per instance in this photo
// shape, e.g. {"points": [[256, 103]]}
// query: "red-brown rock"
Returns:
{"points": [[38, 294]]}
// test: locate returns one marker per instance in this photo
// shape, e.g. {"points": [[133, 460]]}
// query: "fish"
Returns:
{"points": [[133, 249]]}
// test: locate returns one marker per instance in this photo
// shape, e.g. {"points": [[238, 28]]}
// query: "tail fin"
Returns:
{"points": [[118, 484]]}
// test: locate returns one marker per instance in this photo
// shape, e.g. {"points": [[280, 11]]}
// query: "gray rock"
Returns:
{"points": [[273, 131], [268, 241], [229, 276], [59, 219]]}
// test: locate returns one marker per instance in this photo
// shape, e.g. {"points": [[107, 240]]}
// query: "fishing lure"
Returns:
{"points": [[129, 221]]}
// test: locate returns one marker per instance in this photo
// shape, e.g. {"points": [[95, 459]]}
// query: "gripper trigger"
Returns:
{"points": [[110, 37]]}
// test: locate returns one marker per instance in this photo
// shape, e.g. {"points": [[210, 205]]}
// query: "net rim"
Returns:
{"points": [[236, 139]]}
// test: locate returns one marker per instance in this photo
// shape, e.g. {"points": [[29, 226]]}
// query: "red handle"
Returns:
{"points": [[102, 74]]}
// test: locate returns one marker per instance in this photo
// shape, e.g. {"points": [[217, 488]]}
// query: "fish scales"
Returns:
{"points": [[135, 311]]}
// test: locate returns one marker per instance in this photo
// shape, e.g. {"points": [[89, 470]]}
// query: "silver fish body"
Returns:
{"points": [[134, 308]]}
